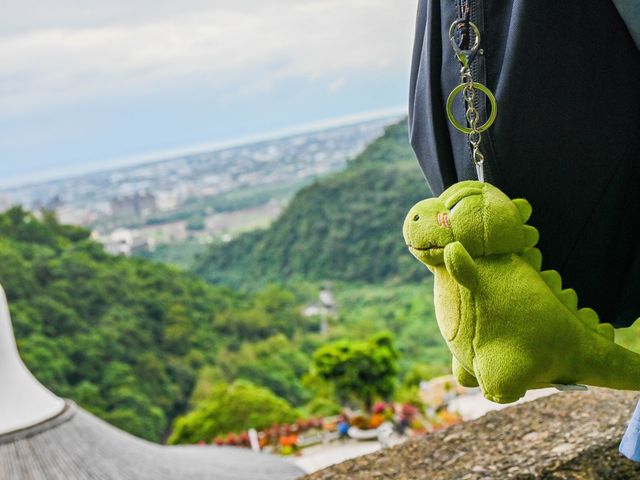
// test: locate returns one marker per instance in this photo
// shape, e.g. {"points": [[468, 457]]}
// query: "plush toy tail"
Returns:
{"points": [[634, 328], [628, 337], [607, 364]]}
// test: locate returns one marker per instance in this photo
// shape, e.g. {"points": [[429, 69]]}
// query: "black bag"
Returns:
{"points": [[566, 75]]}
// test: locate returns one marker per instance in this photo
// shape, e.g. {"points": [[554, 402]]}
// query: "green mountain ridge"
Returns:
{"points": [[346, 226]]}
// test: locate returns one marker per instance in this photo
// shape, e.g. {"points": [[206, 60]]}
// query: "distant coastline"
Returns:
{"points": [[32, 179]]}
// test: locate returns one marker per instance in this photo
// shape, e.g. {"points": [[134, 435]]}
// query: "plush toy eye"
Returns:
{"points": [[416, 218]]}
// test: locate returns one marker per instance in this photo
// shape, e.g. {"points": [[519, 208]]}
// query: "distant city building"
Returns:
{"points": [[5, 203], [167, 201], [53, 203], [170, 191], [133, 206], [123, 241], [68, 214]]}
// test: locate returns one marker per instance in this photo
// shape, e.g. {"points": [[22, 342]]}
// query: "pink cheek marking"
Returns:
{"points": [[439, 219], [446, 220]]}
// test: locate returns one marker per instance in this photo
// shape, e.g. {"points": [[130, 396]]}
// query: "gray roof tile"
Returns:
{"points": [[76, 445]]}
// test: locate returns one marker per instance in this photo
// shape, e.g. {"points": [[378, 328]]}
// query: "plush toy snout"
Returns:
{"points": [[427, 230]]}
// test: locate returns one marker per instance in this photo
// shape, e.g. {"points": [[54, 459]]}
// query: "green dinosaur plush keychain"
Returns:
{"points": [[510, 326]]}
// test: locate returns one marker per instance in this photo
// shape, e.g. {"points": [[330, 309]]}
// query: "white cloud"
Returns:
{"points": [[73, 52]]}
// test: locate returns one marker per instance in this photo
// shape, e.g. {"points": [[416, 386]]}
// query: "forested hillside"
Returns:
{"points": [[126, 338], [347, 226], [139, 343]]}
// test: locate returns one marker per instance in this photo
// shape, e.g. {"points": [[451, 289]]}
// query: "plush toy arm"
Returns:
{"points": [[462, 376], [460, 265]]}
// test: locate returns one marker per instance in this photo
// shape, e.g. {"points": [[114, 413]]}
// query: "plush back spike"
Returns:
{"points": [[606, 330], [589, 317], [534, 257], [524, 208], [553, 280], [569, 298], [591, 320], [531, 235]]}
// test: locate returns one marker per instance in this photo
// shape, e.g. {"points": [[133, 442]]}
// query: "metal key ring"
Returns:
{"points": [[467, 54], [492, 101]]}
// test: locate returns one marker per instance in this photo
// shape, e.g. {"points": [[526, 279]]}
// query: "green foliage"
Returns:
{"points": [[126, 337], [322, 407], [346, 226], [362, 370], [406, 310], [420, 372], [270, 311], [208, 377], [179, 253], [177, 330], [274, 363], [232, 408]]}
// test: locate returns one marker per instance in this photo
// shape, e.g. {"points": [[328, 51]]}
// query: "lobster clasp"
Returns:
{"points": [[464, 55]]}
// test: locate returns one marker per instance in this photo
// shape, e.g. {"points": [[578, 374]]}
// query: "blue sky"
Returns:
{"points": [[89, 82]]}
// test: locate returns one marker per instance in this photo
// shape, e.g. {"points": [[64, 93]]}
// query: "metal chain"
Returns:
{"points": [[469, 90], [473, 116]]}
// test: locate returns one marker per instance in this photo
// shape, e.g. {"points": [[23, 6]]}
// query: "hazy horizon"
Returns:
{"points": [[141, 158]]}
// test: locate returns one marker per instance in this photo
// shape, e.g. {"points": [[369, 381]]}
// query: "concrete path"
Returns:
{"points": [[321, 456], [474, 405]]}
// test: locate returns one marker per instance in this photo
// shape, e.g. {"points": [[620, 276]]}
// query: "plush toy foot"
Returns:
{"points": [[503, 378], [502, 398], [462, 376]]}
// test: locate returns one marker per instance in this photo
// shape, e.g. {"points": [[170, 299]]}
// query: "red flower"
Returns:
{"points": [[219, 440], [409, 410], [289, 440], [232, 439]]}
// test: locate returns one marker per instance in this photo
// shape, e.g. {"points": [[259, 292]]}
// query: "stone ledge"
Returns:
{"points": [[564, 436]]}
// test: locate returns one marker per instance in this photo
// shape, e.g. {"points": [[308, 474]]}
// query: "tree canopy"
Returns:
{"points": [[232, 409], [362, 370]]}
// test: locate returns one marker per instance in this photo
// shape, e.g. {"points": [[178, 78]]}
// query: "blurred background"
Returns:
{"points": [[202, 207]]}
